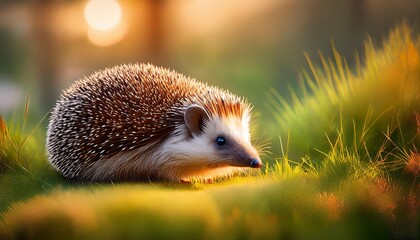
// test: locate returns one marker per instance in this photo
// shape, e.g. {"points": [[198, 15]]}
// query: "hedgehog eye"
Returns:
{"points": [[220, 141]]}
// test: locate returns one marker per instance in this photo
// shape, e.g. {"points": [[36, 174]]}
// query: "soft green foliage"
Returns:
{"points": [[295, 208], [24, 170], [362, 183], [372, 109]]}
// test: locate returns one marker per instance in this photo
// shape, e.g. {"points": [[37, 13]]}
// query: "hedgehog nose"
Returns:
{"points": [[255, 162]]}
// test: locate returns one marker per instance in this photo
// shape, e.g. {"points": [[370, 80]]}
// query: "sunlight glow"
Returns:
{"points": [[103, 14], [107, 38]]}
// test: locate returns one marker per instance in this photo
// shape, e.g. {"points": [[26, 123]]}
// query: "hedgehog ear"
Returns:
{"points": [[194, 117]]}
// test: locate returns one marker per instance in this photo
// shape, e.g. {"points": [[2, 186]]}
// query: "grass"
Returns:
{"points": [[376, 103], [349, 169]]}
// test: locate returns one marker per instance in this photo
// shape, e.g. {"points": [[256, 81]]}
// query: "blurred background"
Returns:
{"points": [[248, 47]]}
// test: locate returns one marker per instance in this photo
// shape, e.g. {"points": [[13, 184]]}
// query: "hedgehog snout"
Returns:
{"points": [[255, 162], [249, 157]]}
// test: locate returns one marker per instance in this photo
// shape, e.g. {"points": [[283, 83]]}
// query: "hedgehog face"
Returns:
{"points": [[229, 141], [223, 140]]}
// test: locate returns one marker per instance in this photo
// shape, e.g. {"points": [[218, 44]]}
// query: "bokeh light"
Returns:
{"points": [[103, 14], [107, 38]]}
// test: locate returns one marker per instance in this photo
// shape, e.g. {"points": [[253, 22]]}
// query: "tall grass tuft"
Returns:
{"points": [[21, 146], [24, 169], [373, 110]]}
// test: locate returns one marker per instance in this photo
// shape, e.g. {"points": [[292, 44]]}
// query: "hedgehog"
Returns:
{"points": [[139, 122]]}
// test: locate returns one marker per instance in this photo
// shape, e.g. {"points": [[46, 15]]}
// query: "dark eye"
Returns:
{"points": [[220, 141]]}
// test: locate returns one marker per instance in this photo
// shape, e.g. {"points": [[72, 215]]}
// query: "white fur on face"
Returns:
{"points": [[199, 156]]}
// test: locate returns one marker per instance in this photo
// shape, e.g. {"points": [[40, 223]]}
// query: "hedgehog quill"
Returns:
{"points": [[139, 122]]}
